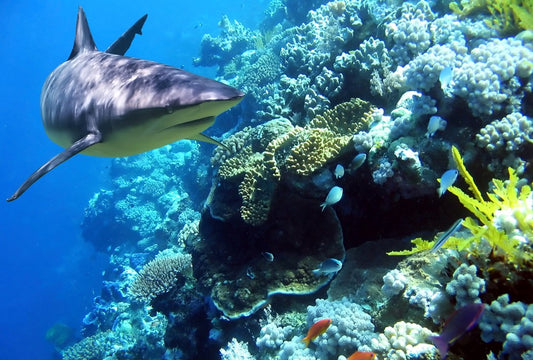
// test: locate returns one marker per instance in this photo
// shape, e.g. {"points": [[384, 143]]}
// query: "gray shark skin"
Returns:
{"points": [[106, 104]]}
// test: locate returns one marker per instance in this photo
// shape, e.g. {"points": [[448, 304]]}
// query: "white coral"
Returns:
{"points": [[403, 341], [236, 350], [466, 285], [394, 283]]}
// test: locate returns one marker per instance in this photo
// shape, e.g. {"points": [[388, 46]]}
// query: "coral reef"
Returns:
{"points": [[251, 224], [270, 155], [296, 236], [509, 134], [148, 201], [351, 329]]}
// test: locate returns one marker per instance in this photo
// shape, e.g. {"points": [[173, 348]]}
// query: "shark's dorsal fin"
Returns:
{"points": [[122, 44], [84, 40]]}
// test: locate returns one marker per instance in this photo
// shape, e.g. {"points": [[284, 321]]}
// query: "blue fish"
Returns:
{"points": [[447, 180], [268, 256], [357, 161], [461, 321], [435, 124], [328, 266], [334, 196], [339, 171], [445, 77], [444, 237]]}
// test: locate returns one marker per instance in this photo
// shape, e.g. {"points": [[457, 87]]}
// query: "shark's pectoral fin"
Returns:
{"points": [[122, 44], [77, 147], [205, 138]]}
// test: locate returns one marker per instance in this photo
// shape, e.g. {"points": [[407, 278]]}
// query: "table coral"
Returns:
{"points": [[90, 348], [295, 234], [160, 276]]}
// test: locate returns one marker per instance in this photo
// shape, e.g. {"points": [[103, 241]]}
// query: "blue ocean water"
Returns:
{"points": [[49, 274]]}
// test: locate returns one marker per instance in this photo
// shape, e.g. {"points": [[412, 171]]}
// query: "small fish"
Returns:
{"points": [[362, 355], [357, 161], [447, 180], [461, 321], [334, 195], [316, 330], [339, 171], [435, 124], [445, 77], [268, 256], [452, 230], [250, 272], [328, 266]]}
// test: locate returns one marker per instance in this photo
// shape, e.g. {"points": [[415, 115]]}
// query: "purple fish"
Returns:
{"points": [[461, 321]]}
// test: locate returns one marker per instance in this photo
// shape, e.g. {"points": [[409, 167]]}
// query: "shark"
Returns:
{"points": [[102, 103]]}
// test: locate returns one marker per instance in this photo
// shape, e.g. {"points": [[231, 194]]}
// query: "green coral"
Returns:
{"points": [[505, 220], [508, 16]]}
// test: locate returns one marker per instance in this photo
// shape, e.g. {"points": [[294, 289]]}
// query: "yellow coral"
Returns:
{"points": [[256, 192], [319, 147], [420, 245], [346, 118], [508, 16], [328, 135], [504, 202], [465, 174]]}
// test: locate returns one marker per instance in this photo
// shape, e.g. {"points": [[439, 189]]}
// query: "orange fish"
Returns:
{"points": [[316, 330], [362, 355]]}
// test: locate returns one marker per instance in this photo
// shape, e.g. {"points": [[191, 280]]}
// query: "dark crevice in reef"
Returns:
{"points": [[375, 213]]}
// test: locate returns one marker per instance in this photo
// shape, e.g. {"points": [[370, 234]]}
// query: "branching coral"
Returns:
{"points": [[505, 220], [160, 276]]}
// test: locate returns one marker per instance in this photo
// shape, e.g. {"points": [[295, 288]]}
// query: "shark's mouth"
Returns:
{"points": [[202, 124]]}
